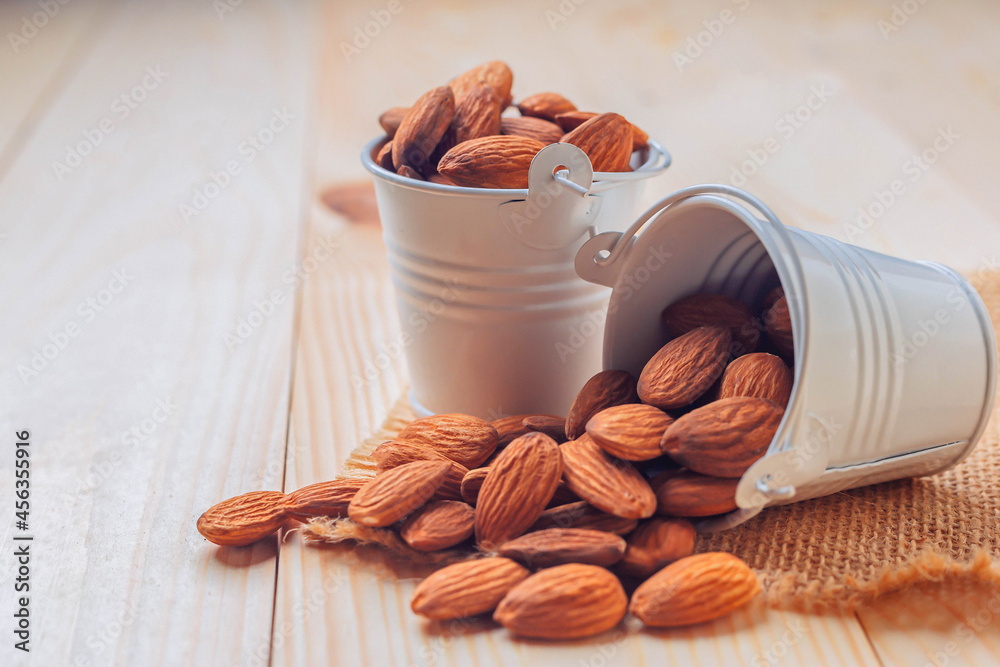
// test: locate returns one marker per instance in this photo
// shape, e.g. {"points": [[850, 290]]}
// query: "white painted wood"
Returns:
{"points": [[120, 574]]}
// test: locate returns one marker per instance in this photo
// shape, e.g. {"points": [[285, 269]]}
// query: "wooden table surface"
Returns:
{"points": [[185, 321]]}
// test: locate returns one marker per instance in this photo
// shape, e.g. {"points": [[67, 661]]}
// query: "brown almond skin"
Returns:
{"points": [[545, 106], [422, 128], [557, 546], [604, 390], [655, 544], [384, 157], [243, 520], [509, 428], [725, 437], [322, 499], [391, 119], [396, 493], [438, 525], [631, 432], [607, 141], [582, 514], [462, 438], [692, 494], [520, 483], [490, 162], [701, 310], [606, 482], [573, 119], [394, 453], [468, 588], [472, 483], [778, 322], [477, 114], [685, 368], [538, 129], [496, 73], [550, 425], [409, 172], [771, 298], [758, 375], [564, 602], [693, 590]]}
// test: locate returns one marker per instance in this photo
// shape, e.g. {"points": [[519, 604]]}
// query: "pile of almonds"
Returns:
{"points": [[561, 517], [457, 135]]}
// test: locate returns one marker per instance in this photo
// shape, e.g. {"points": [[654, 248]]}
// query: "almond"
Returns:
{"points": [[462, 438], [631, 432], [472, 483], [607, 141], [384, 157], [693, 494], [564, 602], [509, 428], [244, 519], [608, 483], [573, 119], [468, 588], [563, 496], [700, 310], [545, 106], [695, 589], [394, 453], [490, 162], [582, 514], [725, 437], [496, 73], [477, 114], [435, 177], [322, 499], [556, 546], [758, 375], [550, 425], [655, 544], [779, 327], [518, 486], [409, 172], [391, 119], [396, 493], [438, 525], [685, 368], [538, 129], [771, 298], [604, 390], [422, 128]]}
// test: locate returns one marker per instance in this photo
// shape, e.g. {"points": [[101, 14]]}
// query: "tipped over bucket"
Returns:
{"points": [[495, 320]]}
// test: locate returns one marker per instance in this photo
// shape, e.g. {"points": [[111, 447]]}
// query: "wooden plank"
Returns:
{"points": [[41, 50], [142, 410], [947, 624]]}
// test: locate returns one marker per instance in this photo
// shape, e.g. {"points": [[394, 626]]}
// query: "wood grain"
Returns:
{"points": [[145, 417]]}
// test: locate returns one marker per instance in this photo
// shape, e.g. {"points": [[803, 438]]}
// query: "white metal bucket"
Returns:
{"points": [[495, 320], [895, 361]]}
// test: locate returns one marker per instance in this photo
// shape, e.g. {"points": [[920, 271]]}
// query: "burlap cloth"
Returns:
{"points": [[834, 552]]}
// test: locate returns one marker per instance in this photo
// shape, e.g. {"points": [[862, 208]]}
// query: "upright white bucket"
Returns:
{"points": [[495, 320], [895, 361]]}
